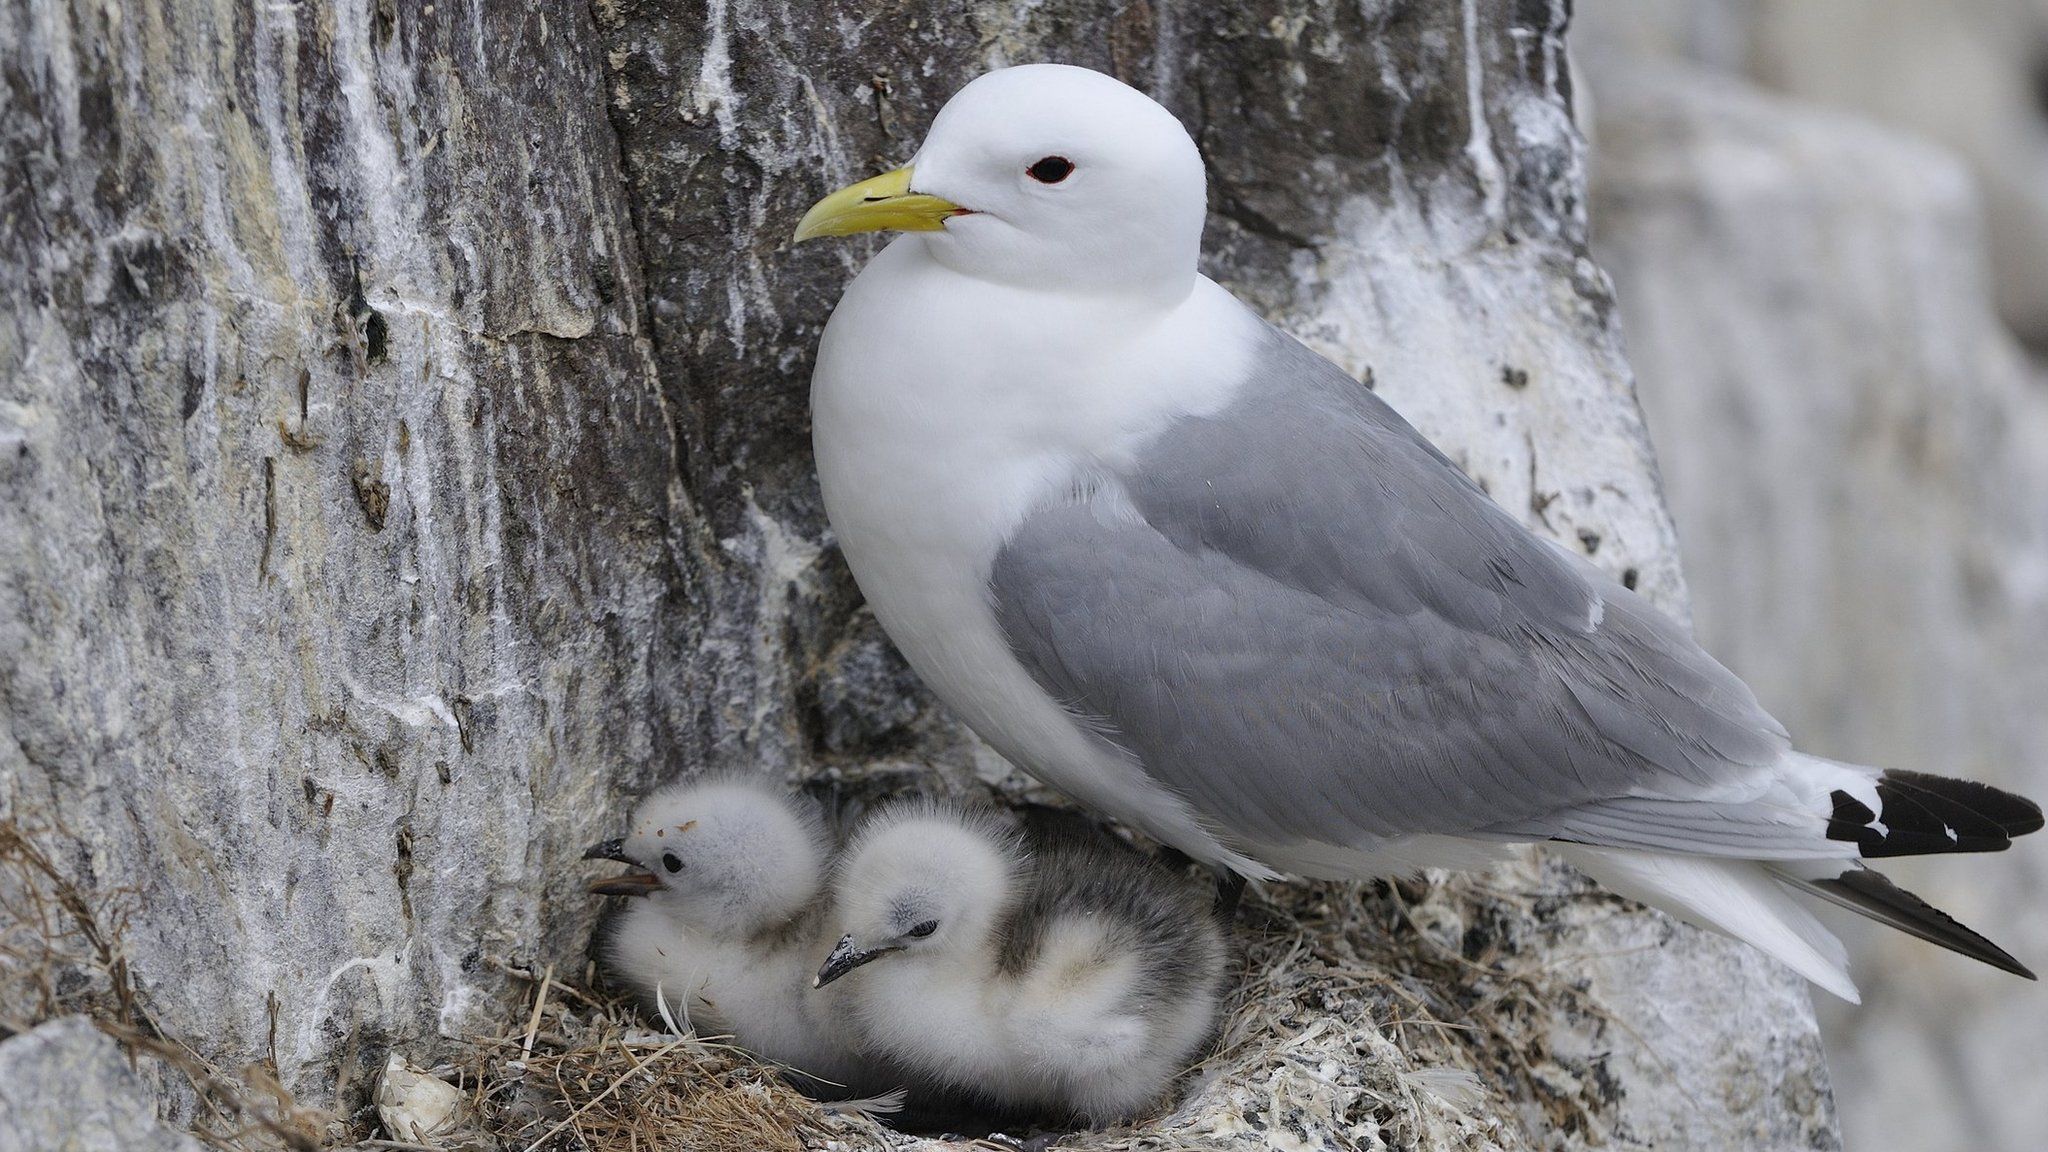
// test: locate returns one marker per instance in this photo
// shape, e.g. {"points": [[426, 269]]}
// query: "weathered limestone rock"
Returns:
{"points": [[1969, 76], [1972, 77], [343, 559], [1858, 465], [65, 1087], [405, 459]]}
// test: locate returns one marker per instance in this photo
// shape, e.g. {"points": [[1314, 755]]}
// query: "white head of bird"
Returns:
{"points": [[922, 890], [724, 856], [1048, 176]]}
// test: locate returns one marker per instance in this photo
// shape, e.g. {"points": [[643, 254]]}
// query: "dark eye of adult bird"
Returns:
{"points": [[1051, 169], [670, 862], [923, 930]]}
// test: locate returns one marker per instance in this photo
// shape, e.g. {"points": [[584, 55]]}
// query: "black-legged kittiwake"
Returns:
{"points": [[1170, 561], [1057, 975]]}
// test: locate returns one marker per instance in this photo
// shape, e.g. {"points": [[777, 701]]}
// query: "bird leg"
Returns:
{"points": [[1229, 893]]}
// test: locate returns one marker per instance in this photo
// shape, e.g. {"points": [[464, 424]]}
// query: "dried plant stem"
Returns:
{"points": [[600, 1097]]}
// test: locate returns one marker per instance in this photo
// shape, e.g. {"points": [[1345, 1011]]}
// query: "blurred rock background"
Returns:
{"points": [[1827, 221]]}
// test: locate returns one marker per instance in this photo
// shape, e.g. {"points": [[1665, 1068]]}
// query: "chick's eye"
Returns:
{"points": [[670, 862], [1051, 170], [923, 930]]}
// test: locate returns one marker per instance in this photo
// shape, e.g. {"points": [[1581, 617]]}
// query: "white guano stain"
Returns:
{"points": [[1479, 144], [422, 711], [388, 973], [786, 562], [713, 92]]}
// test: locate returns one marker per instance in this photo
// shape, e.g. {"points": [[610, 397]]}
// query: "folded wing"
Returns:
{"points": [[1303, 618]]}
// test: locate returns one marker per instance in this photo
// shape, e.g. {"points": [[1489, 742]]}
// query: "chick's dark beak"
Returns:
{"points": [[613, 849], [634, 883], [845, 957]]}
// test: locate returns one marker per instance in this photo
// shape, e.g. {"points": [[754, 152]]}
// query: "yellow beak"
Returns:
{"points": [[885, 202]]}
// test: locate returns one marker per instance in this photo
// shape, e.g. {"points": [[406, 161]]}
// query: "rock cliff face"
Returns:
{"points": [[1972, 77], [405, 460], [64, 1086], [1857, 458]]}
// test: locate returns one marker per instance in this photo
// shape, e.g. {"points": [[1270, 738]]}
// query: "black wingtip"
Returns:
{"points": [[1869, 892], [1921, 814], [2013, 814]]}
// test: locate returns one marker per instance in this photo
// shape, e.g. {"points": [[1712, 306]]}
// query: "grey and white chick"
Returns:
{"points": [[727, 920], [1049, 976]]}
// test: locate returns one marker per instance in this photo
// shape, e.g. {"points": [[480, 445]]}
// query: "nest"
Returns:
{"points": [[587, 1073], [1410, 1016], [1424, 1015]]}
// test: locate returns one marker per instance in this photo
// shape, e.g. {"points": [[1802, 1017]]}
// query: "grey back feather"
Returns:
{"points": [[1316, 628], [1145, 911]]}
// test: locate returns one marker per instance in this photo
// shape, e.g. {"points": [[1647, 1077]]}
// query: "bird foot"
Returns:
{"points": [[1229, 893]]}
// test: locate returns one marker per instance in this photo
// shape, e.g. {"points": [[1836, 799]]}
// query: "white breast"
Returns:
{"points": [[944, 409], [758, 995]]}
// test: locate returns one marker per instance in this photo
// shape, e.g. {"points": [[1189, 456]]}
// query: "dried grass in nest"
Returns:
{"points": [[1418, 1015], [586, 1073]]}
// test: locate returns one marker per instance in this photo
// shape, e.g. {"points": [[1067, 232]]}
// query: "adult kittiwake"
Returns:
{"points": [[1173, 563]]}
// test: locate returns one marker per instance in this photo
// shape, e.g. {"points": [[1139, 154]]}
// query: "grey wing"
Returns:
{"points": [[1304, 619]]}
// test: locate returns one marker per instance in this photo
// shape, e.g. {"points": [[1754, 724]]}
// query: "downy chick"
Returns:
{"points": [[1068, 979], [726, 919]]}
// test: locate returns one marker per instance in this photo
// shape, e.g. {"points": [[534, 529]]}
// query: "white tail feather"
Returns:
{"points": [[884, 1104], [1737, 897]]}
